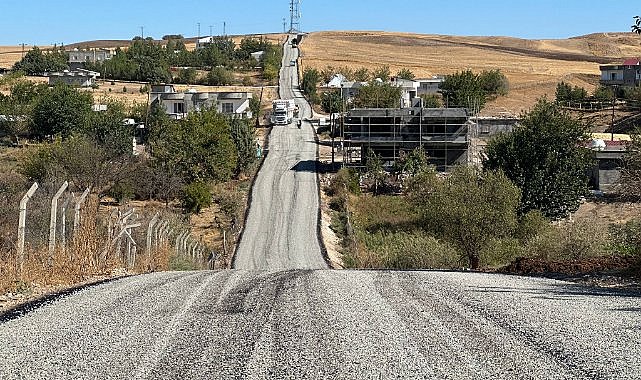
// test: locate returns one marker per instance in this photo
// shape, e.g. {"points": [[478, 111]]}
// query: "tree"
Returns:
{"points": [[406, 74], [383, 73], [464, 89], [186, 76], [362, 75], [35, 62], [374, 170], [308, 85], [432, 100], [469, 208], [245, 140], [61, 111], [219, 76], [199, 147], [378, 95], [494, 83], [196, 196], [332, 102], [546, 158]]}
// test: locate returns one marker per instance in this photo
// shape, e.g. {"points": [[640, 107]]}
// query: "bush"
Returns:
{"points": [[219, 76], [501, 252], [196, 196], [626, 238], [404, 250], [570, 241], [530, 225], [344, 181]]}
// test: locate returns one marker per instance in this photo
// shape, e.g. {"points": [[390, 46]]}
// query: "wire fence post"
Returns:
{"points": [[63, 232], [53, 221], [21, 224], [76, 216]]}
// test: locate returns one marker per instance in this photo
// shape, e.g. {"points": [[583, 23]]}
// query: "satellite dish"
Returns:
{"points": [[597, 144]]}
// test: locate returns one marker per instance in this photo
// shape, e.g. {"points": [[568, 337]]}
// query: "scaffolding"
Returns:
{"points": [[443, 133]]}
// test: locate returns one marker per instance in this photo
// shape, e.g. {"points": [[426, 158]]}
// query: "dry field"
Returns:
{"points": [[534, 67]]}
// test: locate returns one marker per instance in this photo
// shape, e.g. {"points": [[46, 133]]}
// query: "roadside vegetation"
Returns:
{"points": [[51, 135], [513, 212]]}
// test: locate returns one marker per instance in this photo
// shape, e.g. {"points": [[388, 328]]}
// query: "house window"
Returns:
{"points": [[613, 76], [227, 107], [179, 107]]}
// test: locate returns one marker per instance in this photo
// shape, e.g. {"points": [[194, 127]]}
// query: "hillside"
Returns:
{"points": [[534, 67]]}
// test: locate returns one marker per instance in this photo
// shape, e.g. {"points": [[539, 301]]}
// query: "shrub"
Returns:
{"points": [[626, 238], [196, 196], [570, 241], [500, 252], [344, 181]]}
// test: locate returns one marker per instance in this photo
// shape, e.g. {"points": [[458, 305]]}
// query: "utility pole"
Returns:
{"points": [[142, 32], [224, 28], [198, 30], [211, 30], [284, 25]]}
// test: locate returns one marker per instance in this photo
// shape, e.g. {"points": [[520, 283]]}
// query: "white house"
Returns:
{"points": [[429, 85], [77, 58], [258, 55], [179, 104], [78, 77]]}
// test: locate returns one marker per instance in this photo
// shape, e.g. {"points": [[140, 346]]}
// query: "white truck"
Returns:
{"points": [[283, 111]]}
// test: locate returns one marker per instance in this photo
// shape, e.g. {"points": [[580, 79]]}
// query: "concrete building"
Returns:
{"points": [[78, 58], [428, 86], [388, 132], [78, 77], [203, 42], [608, 163], [626, 74], [179, 104], [409, 90], [258, 55]]}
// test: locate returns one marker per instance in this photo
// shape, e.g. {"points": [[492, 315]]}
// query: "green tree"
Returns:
{"points": [[61, 111], [375, 171], [37, 62], [545, 157], [362, 75], [186, 76], [332, 102], [603, 94], [432, 100], [199, 147], [494, 83], [378, 95], [310, 80], [469, 209], [406, 74], [219, 76], [464, 89], [245, 141], [383, 73], [196, 196]]}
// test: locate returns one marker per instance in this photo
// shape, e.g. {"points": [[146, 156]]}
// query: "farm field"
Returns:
{"points": [[533, 67]]}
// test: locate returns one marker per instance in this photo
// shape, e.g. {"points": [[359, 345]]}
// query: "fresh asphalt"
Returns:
{"points": [[281, 315]]}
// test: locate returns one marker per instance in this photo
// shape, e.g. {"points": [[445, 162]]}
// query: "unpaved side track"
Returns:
{"points": [[282, 223], [327, 325]]}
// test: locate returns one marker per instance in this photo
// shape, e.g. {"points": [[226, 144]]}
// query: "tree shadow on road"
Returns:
{"points": [[312, 166]]}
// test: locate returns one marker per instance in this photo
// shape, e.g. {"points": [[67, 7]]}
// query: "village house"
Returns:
{"points": [[77, 78], [179, 104], [78, 58], [626, 74]]}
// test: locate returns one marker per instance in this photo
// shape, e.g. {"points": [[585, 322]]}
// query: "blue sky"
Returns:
{"points": [[65, 21]]}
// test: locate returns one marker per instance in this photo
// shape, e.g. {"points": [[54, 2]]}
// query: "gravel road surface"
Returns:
{"points": [[324, 324], [281, 228], [276, 318]]}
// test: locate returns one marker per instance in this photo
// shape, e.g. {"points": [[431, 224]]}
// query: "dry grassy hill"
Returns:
{"points": [[534, 67]]}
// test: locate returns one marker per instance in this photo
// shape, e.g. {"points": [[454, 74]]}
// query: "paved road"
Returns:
{"points": [[281, 228], [327, 325]]}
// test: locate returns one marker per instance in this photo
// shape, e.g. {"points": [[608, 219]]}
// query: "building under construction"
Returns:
{"points": [[444, 134]]}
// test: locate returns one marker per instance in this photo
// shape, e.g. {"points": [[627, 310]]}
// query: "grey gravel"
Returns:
{"points": [[288, 322], [328, 324]]}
